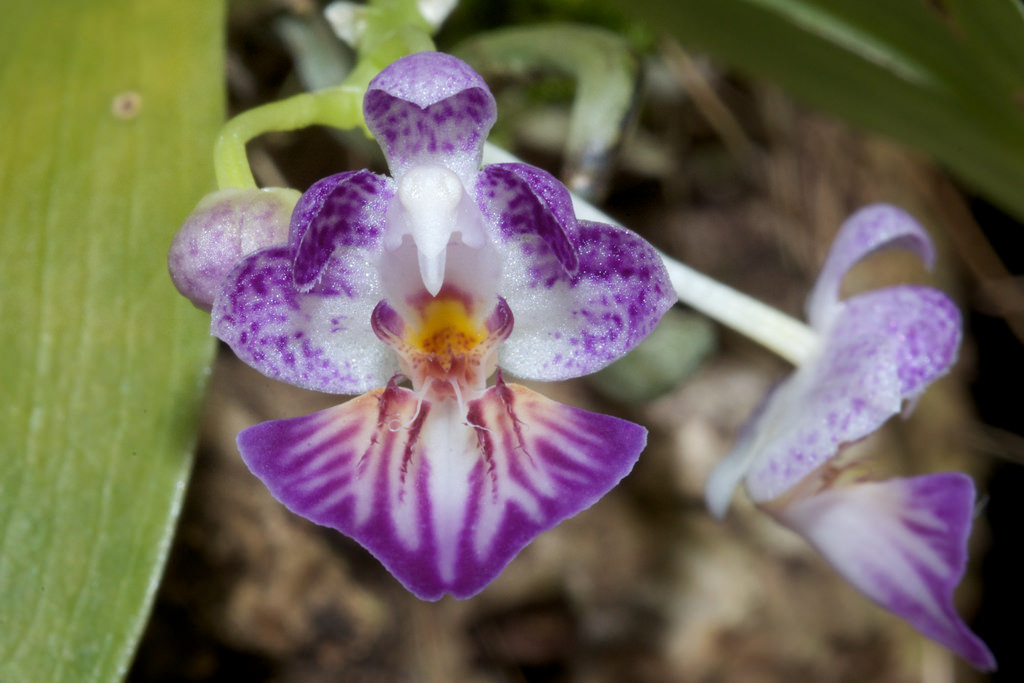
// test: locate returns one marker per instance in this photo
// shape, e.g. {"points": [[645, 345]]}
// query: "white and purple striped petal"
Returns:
{"points": [[883, 348], [442, 497], [430, 108], [903, 543], [572, 325], [319, 340]]}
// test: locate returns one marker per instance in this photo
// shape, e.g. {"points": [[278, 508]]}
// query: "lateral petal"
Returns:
{"points": [[443, 499], [319, 340], [572, 325], [345, 210], [531, 210], [903, 544]]}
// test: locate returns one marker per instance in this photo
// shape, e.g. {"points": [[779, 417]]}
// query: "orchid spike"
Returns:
{"points": [[440, 274], [901, 542]]}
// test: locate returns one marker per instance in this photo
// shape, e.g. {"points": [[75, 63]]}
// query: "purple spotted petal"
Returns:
{"points": [[571, 326], [525, 203], [319, 340], [443, 499], [870, 229], [903, 543], [309, 205], [883, 348], [430, 108], [348, 211]]}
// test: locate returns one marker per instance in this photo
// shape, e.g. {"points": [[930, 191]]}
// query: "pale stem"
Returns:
{"points": [[782, 334]]}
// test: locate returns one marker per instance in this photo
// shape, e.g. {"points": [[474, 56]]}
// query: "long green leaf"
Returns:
{"points": [[940, 81], [108, 111]]}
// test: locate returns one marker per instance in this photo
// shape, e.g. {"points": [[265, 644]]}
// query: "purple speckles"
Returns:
{"points": [[525, 201], [446, 482], [449, 106], [870, 229], [224, 227], [901, 542], [615, 298], [300, 338], [877, 350], [349, 214]]}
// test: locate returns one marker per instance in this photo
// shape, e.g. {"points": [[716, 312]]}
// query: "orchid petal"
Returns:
{"points": [[319, 340], [345, 210], [883, 348], [872, 228], [903, 543], [430, 108], [526, 202], [516, 465], [567, 326]]}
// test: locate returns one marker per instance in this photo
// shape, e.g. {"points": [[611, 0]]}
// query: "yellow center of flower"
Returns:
{"points": [[446, 329]]}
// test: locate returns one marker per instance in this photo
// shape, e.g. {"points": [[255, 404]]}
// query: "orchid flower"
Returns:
{"points": [[440, 274], [901, 542]]}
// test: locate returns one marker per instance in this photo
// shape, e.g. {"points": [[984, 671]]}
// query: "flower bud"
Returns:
{"points": [[226, 226]]}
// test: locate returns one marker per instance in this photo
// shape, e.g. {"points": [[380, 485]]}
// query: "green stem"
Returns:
{"points": [[339, 107], [394, 28]]}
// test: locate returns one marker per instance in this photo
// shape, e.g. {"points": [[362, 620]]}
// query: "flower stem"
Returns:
{"points": [[768, 326], [390, 29], [784, 335], [340, 107]]}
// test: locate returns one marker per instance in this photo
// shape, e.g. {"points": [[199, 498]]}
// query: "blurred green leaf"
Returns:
{"points": [[944, 77], [606, 74], [108, 109]]}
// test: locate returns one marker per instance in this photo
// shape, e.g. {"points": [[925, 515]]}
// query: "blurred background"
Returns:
{"points": [[735, 135], [731, 175]]}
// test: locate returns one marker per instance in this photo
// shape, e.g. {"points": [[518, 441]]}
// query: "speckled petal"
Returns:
{"points": [[319, 340], [345, 210], [903, 543], [430, 108], [526, 204], [567, 326], [882, 348], [443, 499], [872, 228]]}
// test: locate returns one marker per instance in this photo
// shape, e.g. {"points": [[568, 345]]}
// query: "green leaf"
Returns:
{"points": [[109, 111], [945, 81]]}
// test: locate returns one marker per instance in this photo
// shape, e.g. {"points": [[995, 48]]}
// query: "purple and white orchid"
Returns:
{"points": [[440, 274], [901, 542]]}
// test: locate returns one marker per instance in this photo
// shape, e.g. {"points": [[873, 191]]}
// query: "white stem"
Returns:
{"points": [[768, 326]]}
